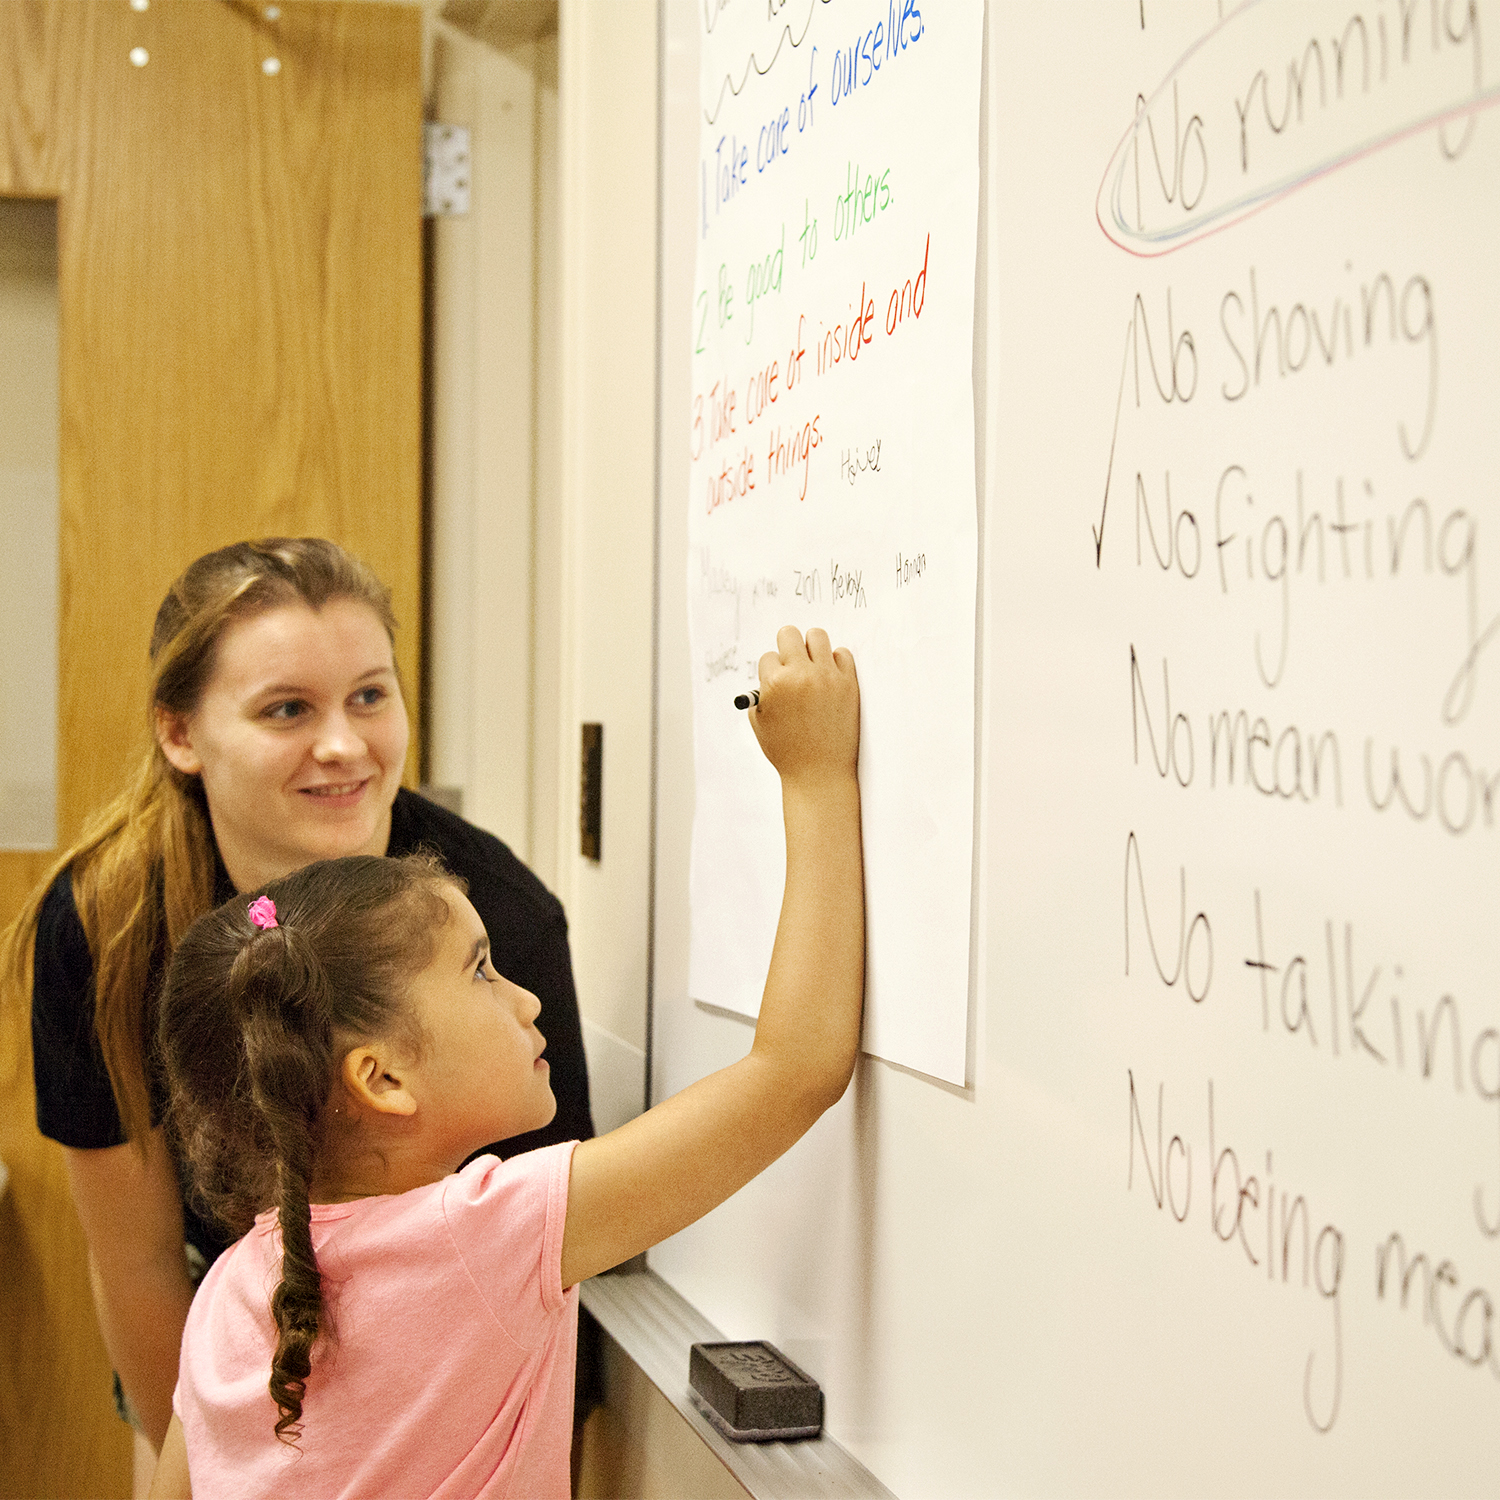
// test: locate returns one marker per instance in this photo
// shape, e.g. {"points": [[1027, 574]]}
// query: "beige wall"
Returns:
{"points": [[552, 781], [607, 384], [543, 480], [482, 500]]}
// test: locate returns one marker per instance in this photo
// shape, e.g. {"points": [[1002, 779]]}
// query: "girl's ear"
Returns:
{"points": [[176, 744], [374, 1080]]}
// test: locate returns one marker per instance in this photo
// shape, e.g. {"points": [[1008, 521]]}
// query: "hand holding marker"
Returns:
{"points": [[806, 708]]}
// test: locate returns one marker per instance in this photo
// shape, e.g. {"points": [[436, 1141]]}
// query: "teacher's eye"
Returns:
{"points": [[285, 712], [370, 697]]}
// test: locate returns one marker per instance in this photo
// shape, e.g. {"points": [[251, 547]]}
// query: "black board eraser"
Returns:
{"points": [[753, 1393]]}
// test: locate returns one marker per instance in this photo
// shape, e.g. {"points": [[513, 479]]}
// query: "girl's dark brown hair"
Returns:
{"points": [[252, 1026], [143, 871]]}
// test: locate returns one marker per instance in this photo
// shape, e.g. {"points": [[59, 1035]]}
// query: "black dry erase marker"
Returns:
{"points": [[747, 700]]}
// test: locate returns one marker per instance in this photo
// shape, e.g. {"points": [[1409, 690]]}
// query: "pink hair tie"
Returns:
{"points": [[263, 912]]}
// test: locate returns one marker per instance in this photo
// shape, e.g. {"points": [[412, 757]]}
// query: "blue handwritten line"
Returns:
{"points": [[711, 116]]}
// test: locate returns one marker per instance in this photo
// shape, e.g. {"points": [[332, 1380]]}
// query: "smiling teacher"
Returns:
{"points": [[280, 733]]}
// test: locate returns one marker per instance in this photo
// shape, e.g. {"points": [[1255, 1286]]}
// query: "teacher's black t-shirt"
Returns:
{"points": [[75, 1104]]}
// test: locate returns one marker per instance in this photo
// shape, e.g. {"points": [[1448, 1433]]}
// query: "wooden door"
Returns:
{"points": [[239, 273]]}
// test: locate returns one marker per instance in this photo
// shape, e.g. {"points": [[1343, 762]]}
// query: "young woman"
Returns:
{"points": [[279, 738], [418, 1340]]}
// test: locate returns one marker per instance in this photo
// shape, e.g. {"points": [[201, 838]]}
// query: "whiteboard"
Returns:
{"points": [[1148, 1249]]}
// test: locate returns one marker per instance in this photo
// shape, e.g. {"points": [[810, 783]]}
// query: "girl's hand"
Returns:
{"points": [[807, 720]]}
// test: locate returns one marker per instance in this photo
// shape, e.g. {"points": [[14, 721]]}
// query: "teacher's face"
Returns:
{"points": [[299, 739]]}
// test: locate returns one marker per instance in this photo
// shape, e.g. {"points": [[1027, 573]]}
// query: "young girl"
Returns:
{"points": [[339, 1044]]}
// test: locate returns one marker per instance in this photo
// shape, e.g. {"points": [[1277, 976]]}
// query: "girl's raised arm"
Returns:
{"points": [[641, 1183]]}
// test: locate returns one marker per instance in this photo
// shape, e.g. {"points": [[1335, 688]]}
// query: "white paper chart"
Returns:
{"points": [[832, 474]]}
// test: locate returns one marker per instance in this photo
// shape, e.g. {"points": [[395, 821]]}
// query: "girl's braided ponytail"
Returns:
{"points": [[280, 993]]}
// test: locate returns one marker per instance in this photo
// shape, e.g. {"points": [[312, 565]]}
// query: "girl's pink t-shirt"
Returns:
{"points": [[447, 1370]]}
